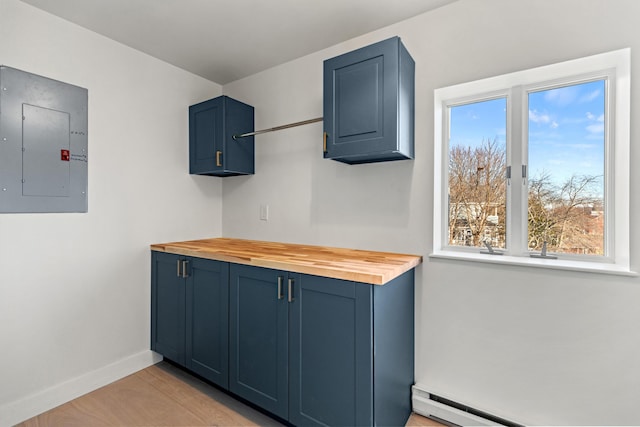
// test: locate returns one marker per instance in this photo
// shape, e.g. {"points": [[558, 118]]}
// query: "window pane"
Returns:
{"points": [[566, 169], [477, 174]]}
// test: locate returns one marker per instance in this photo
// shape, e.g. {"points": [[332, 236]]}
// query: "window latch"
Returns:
{"points": [[490, 250], [543, 253]]}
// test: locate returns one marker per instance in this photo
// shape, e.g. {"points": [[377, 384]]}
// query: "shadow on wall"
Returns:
{"points": [[372, 194]]}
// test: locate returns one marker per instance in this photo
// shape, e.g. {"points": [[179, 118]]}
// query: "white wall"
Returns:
{"points": [[534, 346], [74, 288]]}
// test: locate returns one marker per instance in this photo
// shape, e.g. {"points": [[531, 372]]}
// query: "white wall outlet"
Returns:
{"points": [[264, 212]]}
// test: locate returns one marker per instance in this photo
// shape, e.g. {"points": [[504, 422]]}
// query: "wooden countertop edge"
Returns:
{"points": [[308, 267]]}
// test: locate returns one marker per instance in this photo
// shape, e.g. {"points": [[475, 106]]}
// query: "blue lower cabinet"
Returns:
{"points": [[190, 314], [207, 324], [330, 370], [322, 352], [392, 311], [258, 341], [167, 307]]}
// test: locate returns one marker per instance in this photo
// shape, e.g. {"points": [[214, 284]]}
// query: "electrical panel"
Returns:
{"points": [[43, 144]]}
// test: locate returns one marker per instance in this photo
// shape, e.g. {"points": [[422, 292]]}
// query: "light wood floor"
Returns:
{"points": [[161, 395]]}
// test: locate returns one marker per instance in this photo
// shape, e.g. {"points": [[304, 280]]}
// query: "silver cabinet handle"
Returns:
{"points": [[178, 265], [290, 298], [185, 264], [280, 296]]}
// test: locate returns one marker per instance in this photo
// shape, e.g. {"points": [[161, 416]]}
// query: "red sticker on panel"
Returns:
{"points": [[64, 155]]}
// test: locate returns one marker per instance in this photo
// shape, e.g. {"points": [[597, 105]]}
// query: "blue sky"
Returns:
{"points": [[566, 129]]}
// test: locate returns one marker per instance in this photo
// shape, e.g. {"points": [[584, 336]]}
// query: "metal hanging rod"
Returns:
{"points": [[290, 125]]}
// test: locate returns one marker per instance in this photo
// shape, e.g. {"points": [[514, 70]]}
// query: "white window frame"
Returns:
{"points": [[615, 67]]}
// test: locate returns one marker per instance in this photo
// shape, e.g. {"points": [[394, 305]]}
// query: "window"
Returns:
{"points": [[566, 163], [534, 166], [477, 165]]}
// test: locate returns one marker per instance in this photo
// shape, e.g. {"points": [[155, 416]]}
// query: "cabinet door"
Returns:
{"points": [[167, 307], [207, 324], [206, 121], [331, 354], [258, 353], [368, 104]]}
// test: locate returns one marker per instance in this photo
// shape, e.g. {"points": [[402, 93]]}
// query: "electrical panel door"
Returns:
{"points": [[43, 144]]}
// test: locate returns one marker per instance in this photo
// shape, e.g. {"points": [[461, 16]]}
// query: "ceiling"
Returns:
{"points": [[225, 40]]}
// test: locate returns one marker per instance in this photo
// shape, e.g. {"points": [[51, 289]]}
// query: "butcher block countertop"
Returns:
{"points": [[376, 268]]}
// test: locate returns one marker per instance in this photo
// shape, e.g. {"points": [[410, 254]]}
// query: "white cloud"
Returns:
{"points": [[583, 146], [535, 117], [543, 119], [595, 128], [596, 125], [562, 96], [592, 116], [589, 96]]}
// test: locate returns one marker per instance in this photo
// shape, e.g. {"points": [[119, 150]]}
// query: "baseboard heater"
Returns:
{"points": [[451, 412]]}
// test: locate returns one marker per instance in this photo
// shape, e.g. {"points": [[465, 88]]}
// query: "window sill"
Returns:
{"points": [[556, 264]]}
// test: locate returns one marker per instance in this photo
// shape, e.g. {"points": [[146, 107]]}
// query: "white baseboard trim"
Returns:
{"points": [[37, 403], [423, 405]]}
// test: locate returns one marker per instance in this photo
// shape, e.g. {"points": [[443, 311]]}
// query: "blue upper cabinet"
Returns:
{"points": [[369, 104], [212, 149]]}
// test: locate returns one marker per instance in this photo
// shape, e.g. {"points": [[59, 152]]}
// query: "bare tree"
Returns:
{"points": [[477, 196], [568, 217], [541, 201]]}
